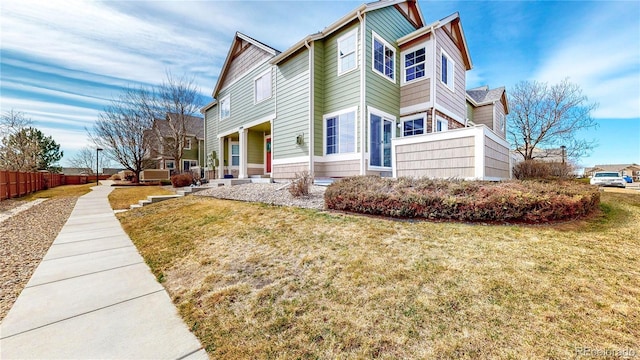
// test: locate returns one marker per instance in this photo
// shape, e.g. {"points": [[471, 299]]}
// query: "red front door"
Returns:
{"points": [[268, 152]]}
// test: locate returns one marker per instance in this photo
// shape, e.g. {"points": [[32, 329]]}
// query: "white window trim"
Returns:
{"points": [[229, 166], [443, 120], [403, 79], [167, 162], [255, 93], [453, 71], [226, 98], [189, 160], [324, 131], [353, 32], [422, 116], [188, 141], [374, 37], [384, 116]]}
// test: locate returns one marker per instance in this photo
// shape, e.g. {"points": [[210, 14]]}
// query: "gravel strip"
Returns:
{"points": [[268, 194], [24, 240]]}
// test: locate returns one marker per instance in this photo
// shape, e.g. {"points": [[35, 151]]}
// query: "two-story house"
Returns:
{"points": [[377, 92], [162, 144]]}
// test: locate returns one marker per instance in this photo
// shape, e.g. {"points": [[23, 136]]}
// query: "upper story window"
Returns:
{"points": [[447, 70], [442, 124], [262, 86], [187, 144], [225, 107], [340, 133], [413, 127], [347, 46], [384, 56], [414, 64], [500, 121]]}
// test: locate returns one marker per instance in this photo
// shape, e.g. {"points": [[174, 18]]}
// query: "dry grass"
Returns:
{"points": [[61, 191], [122, 198], [256, 281]]}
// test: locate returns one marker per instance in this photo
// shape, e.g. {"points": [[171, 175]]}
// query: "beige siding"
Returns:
{"points": [[415, 93], [337, 168], [288, 171], [496, 159], [438, 159], [483, 115], [453, 101], [242, 62], [500, 110]]}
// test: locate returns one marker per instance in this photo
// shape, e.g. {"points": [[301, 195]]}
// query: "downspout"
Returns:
{"points": [[433, 82], [363, 99], [275, 111], [311, 107]]}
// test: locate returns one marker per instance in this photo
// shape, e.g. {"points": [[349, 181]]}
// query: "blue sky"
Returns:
{"points": [[61, 62]]}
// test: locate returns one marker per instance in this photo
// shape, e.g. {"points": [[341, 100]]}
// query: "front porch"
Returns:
{"points": [[245, 153]]}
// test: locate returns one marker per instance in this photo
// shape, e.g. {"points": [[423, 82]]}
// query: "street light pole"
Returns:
{"points": [[563, 152], [97, 165]]}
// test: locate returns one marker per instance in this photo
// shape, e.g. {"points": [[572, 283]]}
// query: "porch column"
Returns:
{"points": [[221, 158], [243, 133]]}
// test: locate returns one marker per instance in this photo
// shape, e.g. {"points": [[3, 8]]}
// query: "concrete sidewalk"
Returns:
{"points": [[93, 296]]}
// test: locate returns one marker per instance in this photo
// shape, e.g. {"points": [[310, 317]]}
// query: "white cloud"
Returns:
{"points": [[602, 56]]}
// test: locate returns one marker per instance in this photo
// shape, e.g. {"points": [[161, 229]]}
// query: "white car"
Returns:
{"points": [[607, 178]]}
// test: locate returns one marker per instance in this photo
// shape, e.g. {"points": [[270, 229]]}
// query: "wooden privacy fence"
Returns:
{"points": [[17, 184]]}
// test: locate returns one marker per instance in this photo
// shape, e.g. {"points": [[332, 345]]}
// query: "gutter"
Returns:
{"points": [[311, 108], [433, 78], [363, 169]]}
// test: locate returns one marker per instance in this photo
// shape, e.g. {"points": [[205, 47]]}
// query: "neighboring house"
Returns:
{"points": [[111, 171], [378, 92], [547, 155], [160, 150], [632, 170], [77, 171]]}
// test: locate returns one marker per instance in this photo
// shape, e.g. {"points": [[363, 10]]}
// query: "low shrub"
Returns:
{"points": [[536, 169], [301, 185], [166, 182], [114, 177], [509, 201], [182, 180]]}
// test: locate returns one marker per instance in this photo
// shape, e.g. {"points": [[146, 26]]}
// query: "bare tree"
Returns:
{"points": [[24, 148], [544, 117], [120, 129], [178, 101], [13, 121], [85, 159]]}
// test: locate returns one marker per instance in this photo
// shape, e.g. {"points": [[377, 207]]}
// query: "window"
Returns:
{"points": [[188, 164], [414, 65], [169, 164], [442, 124], [347, 52], [413, 127], [499, 121], [234, 150], [262, 86], [383, 58], [225, 107], [446, 71], [340, 133], [187, 144]]}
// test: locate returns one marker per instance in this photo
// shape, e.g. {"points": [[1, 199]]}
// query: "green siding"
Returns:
{"points": [[293, 107], [383, 94], [211, 124], [243, 109], [469, 111], [340, 92], [319, 85], [255, 151], [193, 153]]}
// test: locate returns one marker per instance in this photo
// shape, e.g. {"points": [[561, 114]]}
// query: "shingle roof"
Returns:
{"points": [[485, 95], [614, 167], [195, 126]]}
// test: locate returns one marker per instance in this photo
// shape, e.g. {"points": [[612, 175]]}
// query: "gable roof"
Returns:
{"points": [[234, 49], [194, 125], [483, 96], [408, 8], [613, 167], [452, 21]]}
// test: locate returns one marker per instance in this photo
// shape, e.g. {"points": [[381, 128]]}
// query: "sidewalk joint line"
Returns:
{"points": [[89, 252], [82, 314], [77, 241], [77, 276]]}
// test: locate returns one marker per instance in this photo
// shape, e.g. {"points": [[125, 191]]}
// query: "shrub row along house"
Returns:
{"points": [[378, 92]]}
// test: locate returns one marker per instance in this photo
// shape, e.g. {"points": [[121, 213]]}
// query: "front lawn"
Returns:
{"points": [[259, 281], [123, 198]]}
